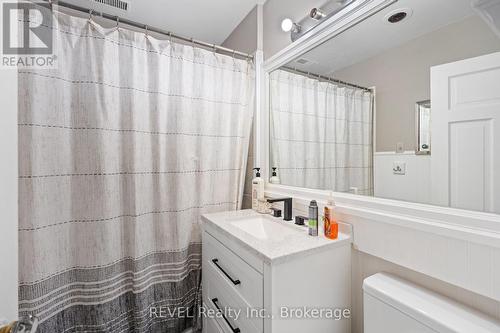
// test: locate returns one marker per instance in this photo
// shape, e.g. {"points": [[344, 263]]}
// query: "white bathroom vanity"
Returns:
{"points": [[268, 275]]}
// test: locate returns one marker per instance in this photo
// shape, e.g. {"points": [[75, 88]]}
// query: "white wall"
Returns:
{"points": [[8, 195], [8, 192], [413, 186], [365, 265], [444, 264]]}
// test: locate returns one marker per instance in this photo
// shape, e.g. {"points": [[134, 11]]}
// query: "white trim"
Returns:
{"points": [[477, 227], [259, 107], [374, 120], [265, 123], [8, 195], [260, 27]]}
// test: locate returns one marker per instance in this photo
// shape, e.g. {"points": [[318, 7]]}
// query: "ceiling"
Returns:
{"points": [[211, 21], [375, 35]]}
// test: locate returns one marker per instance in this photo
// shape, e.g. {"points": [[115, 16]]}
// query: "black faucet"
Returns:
{"points": [[287, 209]]}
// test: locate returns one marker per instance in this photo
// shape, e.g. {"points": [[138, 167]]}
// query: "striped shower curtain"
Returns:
{"points": [[121, 147], [321, 134]]}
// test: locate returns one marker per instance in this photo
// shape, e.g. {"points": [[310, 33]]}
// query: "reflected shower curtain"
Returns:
{"points": [[122, 147], [321, 134]]}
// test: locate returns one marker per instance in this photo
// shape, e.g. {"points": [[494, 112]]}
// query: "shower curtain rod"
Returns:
{"points": [[148, 28], [326, 78]]}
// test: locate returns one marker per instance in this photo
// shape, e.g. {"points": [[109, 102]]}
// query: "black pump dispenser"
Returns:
{"points": [[258, 172]]}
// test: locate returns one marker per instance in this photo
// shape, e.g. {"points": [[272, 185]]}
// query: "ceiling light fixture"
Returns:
{"points": [[395, 18], [317, 14], [288, 25], [398, 15]]}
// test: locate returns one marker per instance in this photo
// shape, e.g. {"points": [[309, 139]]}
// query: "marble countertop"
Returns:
{"points": [[290, 245]]}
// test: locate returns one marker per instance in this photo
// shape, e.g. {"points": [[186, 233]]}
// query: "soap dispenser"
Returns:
{"points": [[274, 178], [331, 227], [257, 190]]}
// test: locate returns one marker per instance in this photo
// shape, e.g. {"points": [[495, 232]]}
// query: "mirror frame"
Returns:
{"points": [[369, 207]]}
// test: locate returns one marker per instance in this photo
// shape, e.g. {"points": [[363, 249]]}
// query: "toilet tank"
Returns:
{"points": [[393, 305]]}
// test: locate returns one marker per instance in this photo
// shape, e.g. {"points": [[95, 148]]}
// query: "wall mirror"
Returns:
{"points": [[354, 113]]}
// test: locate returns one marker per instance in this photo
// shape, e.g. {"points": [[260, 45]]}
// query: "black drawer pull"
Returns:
{"points": [[235, 330], [235, 282]]}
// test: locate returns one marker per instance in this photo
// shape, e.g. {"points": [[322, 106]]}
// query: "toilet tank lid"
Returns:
{"points": [[431, 309]]}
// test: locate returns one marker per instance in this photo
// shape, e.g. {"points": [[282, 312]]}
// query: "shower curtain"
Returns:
{"points": [[122, 147], [321, 134]]}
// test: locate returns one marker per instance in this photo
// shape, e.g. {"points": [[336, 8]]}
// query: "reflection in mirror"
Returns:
{"points": [[423, 127], [344, 116], [321, 132]]}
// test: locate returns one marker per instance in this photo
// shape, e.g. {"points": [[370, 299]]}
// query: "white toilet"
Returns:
{"points": [[393, 305]]}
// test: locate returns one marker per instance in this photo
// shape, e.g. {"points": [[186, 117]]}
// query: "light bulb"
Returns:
{"points": [[317, 14], [286, 25]]}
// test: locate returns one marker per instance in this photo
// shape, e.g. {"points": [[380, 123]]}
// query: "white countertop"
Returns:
{"points": [[291, 245]]}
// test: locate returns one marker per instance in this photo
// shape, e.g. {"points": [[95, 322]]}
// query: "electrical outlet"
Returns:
{"points": [[399, 168], [400, 148]]}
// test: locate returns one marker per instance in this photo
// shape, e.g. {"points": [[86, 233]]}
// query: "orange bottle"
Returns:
{"points": [[330, 225]]}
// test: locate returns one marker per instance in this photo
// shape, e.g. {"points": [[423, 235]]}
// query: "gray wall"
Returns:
{"points": [[244, 36], [245, 39], [402, 75]]}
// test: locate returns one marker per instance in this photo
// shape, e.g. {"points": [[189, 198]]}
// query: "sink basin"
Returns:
{"points": [[272, 239], [265, 227]]}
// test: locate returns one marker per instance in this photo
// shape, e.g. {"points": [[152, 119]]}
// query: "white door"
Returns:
{"points": [[465, 130]]}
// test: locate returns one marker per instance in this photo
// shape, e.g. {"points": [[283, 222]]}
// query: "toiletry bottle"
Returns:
{"points": [[331, 227], [257, 190], [274, 178], [313, 218]]}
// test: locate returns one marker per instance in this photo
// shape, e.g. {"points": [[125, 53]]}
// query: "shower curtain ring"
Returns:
{"points": [[170, 37], [192, 43], [90, 15], [234, 51], [117, 22], [146, 30]]}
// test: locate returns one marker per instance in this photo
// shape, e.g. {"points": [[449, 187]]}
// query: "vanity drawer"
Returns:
{"points": [[210, 325], [233, 272], [217, 296]]}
